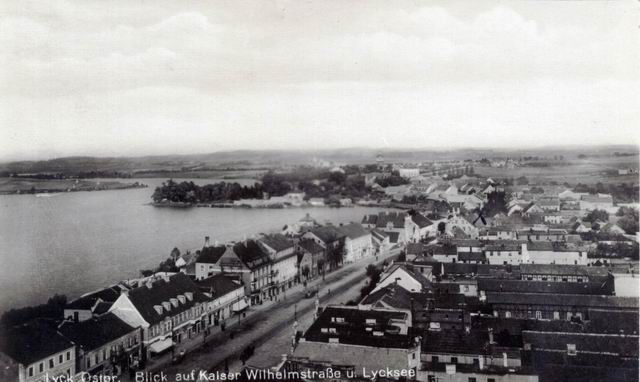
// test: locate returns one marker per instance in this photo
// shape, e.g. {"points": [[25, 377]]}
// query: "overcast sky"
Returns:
{"points": [[154, 77]]}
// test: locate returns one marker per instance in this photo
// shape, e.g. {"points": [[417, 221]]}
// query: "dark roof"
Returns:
{"points": [[383, 218], [354, 328], [395, 296], [87, 301], [455, 342], [419, 277], [251, 254], [466, 243], [353, 230], [471, 256], [96, 332], [421, 221], [211, 255], [548, 299], [503, 247], [218, 285], [554, 246], [524, 286], [415, 248], [310, 246], [328, 233], [441, 249], [144, 298], [33, 342], [393, 236], [562, 269], [624, 345], [277, 241], [102, 307]]}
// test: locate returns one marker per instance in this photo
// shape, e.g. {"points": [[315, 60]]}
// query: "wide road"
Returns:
{"points": [[271, 328]]}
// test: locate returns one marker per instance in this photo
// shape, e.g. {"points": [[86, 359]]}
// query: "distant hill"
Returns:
{"points": [[256, 159]]}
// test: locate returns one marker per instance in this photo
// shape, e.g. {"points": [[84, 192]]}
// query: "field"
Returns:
{"points": [[585, 171]]}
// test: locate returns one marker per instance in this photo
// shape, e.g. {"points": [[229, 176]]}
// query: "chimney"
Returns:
{"points": [[491, 341], [206, 241]]}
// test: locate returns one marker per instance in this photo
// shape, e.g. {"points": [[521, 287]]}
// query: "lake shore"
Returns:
{"points": [[20, 186]]}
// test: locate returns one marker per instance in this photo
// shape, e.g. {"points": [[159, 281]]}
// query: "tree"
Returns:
{"points": [[175, 253], [629, 219], [595, 215], [442, 227]]}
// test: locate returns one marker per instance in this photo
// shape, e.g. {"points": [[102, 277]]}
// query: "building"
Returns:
{"points": [[545, 306], [506, 252], [93, 304], [169, 310], [226, 296], [332, 240], [486, 285], [281, 252], [40, 351], [545, 252], [542, 234], [596, 202], [311, 255], [358, 242], [106, 345], [365, 339], [406, 277], [409, 172]]}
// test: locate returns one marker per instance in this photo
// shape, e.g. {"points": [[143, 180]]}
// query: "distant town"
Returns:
{"points": [[490, 268]]}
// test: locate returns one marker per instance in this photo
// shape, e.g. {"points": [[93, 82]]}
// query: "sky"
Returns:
{"points": [[121, 78]]}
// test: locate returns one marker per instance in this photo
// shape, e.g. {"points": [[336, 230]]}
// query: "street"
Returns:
{"points": [[269, 327]]}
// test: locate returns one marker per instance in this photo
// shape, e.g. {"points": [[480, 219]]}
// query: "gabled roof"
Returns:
{"points": [[96, 332], [353, 230], [251, 254], [144, 298], [547, 299], [218, 285], [417, 276], [277, 241], [328, 233], [395, 296], [421, 221], [525, 286], [382, 219], [310, 246], [210, 255], [87, 301], [33, 342]]}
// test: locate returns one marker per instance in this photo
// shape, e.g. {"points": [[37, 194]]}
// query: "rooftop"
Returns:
{"points": [[96, 332], [33, 341]]}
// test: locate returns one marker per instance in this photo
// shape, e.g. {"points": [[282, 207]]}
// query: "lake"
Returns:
{"points": [[73, 243]]}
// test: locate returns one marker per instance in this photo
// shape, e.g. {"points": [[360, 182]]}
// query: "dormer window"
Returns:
{"points": [[182, 299], [158, 308], [370, 321], [189, 295], [174, 302], [378, 333], [166, 305], [332, 330], [571, 349]]}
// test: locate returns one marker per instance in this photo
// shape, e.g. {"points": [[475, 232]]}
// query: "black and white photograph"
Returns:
{"points": [[319, 190]]}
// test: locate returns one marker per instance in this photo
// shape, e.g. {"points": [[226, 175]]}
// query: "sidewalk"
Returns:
{"points": [[292, 300]]}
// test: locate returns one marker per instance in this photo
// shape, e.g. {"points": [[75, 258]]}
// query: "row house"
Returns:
{"points": [[499, 233], [332, 240], [563, 273], [545, 306], [311, 259], [405, 276], [398, 224], [169, 310], [358, 242], [284, 262], [506, 252], [544, 252], [40, 352], [542, 234], [226, 297], [105, 345]]}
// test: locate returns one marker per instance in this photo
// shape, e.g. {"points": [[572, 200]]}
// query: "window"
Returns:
{"points": [[31, 371], [41, 367], [472, 379], [434, 359], [507, 314], [332, 330], [60, 358], [538, 315], [68, 355], [51, 363], [571, 349], [88, 362], [556, 315], [454, 359], [491, 380]]}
